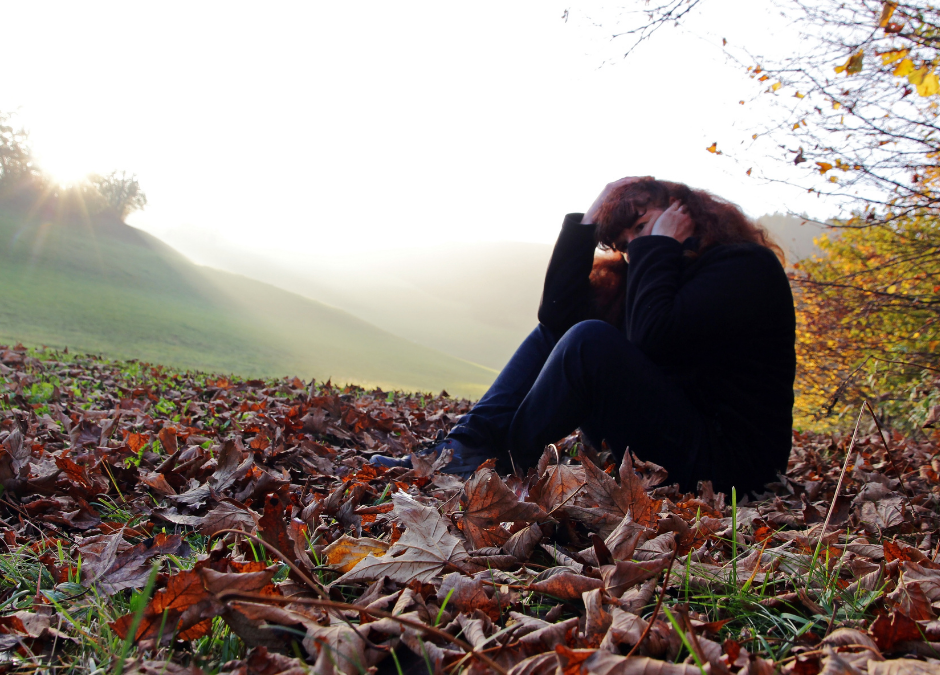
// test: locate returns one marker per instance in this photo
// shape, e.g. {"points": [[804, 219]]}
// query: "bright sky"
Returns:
{"points": [[314, 127]]}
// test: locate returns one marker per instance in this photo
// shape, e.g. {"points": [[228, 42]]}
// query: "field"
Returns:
{"points": [[104, 287], [159, 521]]}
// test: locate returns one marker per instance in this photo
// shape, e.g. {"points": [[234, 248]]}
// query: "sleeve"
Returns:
{"points": [[727, 293], [566, 296]]}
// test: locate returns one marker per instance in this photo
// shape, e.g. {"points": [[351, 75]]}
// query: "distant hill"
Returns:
{"points": [[475, 301], [106, 287]]}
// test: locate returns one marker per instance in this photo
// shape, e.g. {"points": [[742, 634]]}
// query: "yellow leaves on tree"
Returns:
{"points": [[713, 148], [853, 65], [925, 80], [869, 306], [886, 13], [904, 68], [894, 55]]}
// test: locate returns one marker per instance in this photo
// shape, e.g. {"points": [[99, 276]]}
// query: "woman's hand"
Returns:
{"points": [[674, 222], [591, 213]]}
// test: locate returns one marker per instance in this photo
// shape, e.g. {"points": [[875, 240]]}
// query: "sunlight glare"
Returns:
{"points": [[64, 166]]}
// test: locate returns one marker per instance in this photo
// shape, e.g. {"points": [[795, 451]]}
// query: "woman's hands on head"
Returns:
{"points": [[674, 222], [591, 213]]}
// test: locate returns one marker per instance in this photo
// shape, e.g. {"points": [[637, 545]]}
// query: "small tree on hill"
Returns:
{"points": [[121, 193], [16, 161]]}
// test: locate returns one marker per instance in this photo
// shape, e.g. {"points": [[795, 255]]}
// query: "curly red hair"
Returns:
{"points": [[716, 220]]}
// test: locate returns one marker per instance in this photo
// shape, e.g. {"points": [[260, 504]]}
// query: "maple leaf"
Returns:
{"points": [[112, 572], [890, 629], [557, 485], [421, 553], [468, 595], [184, 591], [487, 503], [608, 502]]}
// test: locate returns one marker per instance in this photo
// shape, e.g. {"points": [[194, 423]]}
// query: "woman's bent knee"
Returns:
{"points": [[595, 334]]}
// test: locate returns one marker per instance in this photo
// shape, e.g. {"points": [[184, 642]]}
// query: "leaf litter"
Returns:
{"points": [[156, 521]]}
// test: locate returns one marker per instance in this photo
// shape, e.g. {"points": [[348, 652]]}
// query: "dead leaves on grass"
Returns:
{"points": [[557, 571]]}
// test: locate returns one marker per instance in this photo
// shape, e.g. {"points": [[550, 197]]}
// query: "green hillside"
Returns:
{"points": [[106, 287]]}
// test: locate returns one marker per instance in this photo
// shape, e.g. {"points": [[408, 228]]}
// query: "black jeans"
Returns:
{"points": [[591, 377]]}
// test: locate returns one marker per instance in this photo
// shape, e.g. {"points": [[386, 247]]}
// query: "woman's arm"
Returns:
{"points": [[730, 291], [566, 296]]}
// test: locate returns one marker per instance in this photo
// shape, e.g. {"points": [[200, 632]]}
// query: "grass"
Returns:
{"points": [[776, 630], [107, 288], [97, 647]]}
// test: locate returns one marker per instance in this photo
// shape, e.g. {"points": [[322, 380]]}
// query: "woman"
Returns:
{"points": [[693, 368]]}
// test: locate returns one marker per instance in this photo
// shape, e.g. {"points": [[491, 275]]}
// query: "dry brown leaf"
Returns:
{"points": [[902, 667], [522, 543], [602, 662], [606, 498], [423, 551], [623, 575], [487, 503], [557, 485], [566, 586]]}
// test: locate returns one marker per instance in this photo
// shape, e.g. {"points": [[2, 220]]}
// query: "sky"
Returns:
{"points": [[316, 129]]}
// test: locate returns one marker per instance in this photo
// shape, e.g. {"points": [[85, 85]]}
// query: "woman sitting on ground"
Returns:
{"points": [[692, 367]]}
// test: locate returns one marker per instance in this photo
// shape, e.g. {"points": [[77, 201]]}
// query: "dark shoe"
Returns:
{"points": [[391, 462], [464, 461]]}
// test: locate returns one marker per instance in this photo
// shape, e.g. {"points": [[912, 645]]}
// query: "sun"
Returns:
{"points": [[63, 166]]}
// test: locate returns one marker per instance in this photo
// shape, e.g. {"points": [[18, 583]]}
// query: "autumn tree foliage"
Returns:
{"points": [[855, 118], [867, 321]]}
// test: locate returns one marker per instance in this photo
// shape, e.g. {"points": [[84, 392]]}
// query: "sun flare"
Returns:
{"points": [[63, 166]]}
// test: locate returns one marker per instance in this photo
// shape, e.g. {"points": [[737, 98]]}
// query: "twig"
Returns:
{"points": [[832, 619], [693, 638], [659, 604], [343, 606], [816, 652], [841, 388], [568, 498], [835, 496], [318, 589]]}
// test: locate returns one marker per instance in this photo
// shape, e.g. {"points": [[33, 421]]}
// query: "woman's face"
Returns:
{"points": [[642, 227]]}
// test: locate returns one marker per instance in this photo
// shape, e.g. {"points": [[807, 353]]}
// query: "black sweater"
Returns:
{"points": [[721, 324]]}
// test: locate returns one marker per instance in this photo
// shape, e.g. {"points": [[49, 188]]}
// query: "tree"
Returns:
{"points": [[868, 314], [121, 193], [16, 159], [855, 118]]}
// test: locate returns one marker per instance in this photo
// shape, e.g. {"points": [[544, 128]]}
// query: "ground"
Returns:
{"points": [[158, 521]]}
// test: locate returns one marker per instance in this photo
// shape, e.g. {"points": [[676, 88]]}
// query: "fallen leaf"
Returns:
{"points": [[346, 551], [487, 503], [420, 554]]}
